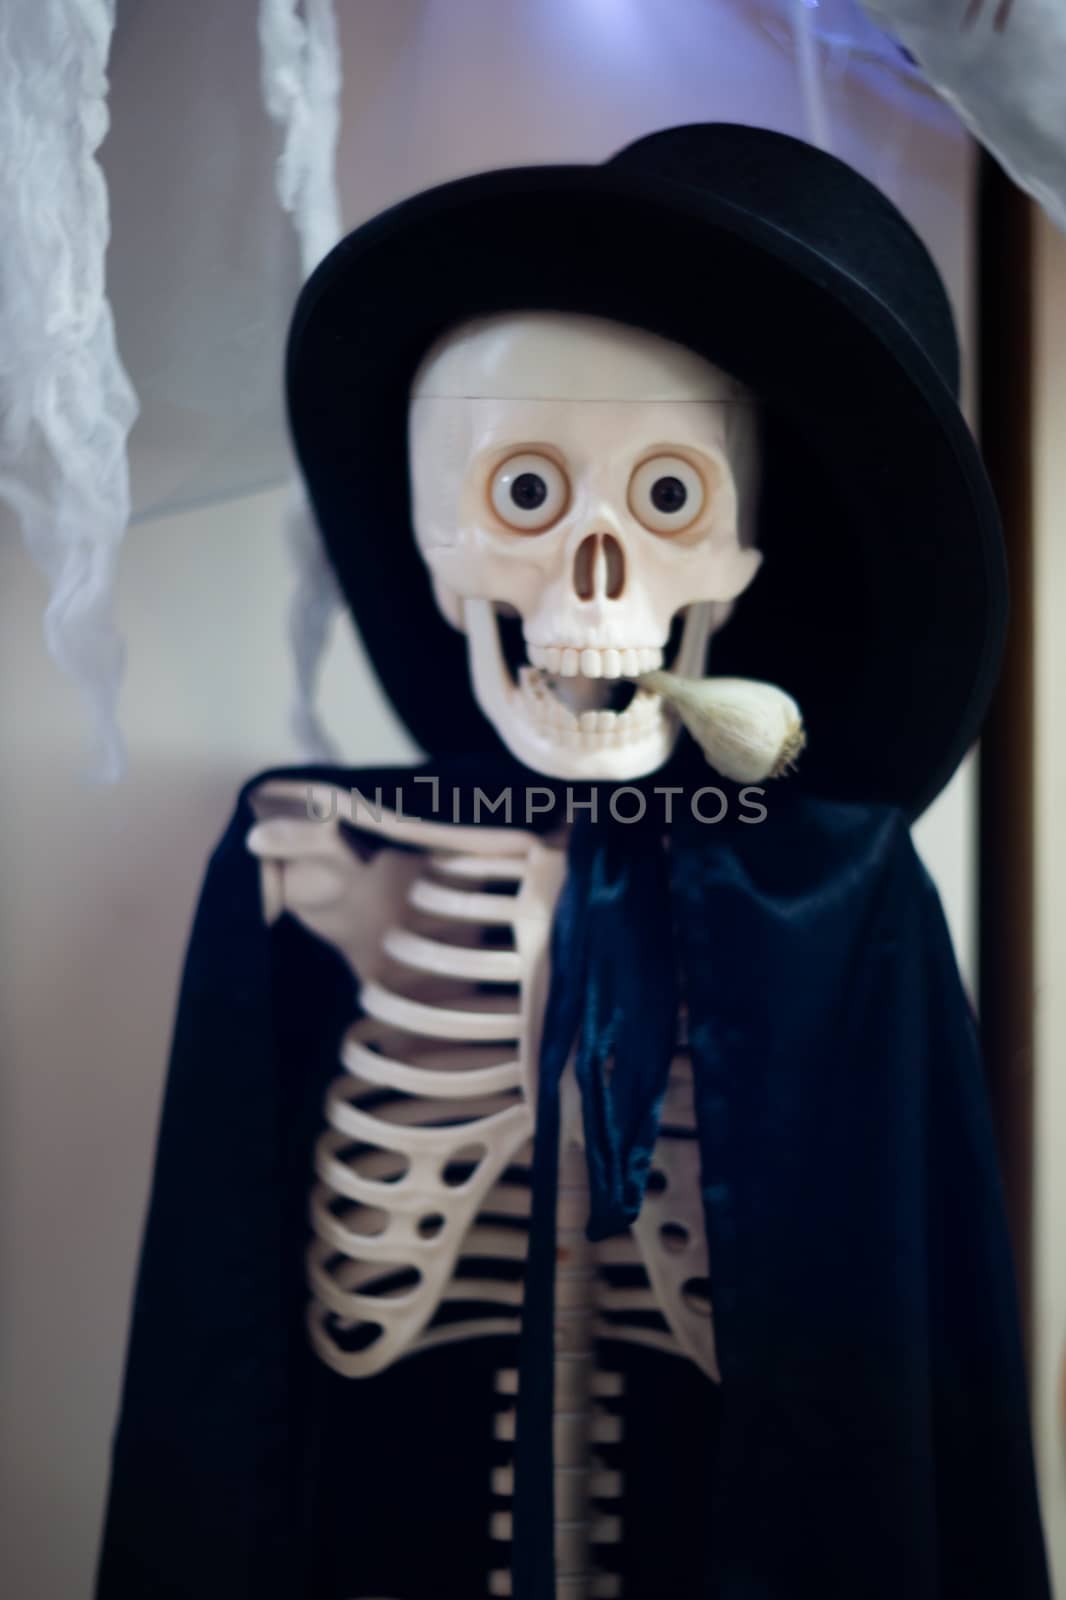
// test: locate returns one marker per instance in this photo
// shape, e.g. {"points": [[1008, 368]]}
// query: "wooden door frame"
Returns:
{"points": [[1006, 855]]}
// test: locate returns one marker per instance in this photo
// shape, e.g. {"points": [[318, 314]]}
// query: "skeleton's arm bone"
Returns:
{"points": [[308, 868]]}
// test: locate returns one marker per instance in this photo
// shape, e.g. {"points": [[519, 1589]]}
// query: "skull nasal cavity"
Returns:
{"points": [[599, 568], [615, 563]]}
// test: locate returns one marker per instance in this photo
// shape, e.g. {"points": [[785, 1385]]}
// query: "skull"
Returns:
{"points": [[576, 485]]}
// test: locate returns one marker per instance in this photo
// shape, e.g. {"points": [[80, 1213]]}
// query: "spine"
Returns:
{"points": [[585, 1486]]}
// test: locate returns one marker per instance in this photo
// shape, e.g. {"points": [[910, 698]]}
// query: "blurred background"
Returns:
{"points": [[203, 269]]}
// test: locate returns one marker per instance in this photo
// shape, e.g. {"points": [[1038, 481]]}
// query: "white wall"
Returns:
{"points": [[98, 890], [99, 885]]}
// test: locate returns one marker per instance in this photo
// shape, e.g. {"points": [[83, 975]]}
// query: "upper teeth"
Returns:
{"points": [[568, 661]]}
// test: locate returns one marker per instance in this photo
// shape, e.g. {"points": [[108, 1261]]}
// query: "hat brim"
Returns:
{"points": [[881, 603]]}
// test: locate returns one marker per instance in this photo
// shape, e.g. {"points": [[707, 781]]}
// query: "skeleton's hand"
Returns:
{"points": [[309, 869]]}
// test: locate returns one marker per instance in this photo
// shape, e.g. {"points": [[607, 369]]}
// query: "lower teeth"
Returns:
{"points": [[552, 706]]}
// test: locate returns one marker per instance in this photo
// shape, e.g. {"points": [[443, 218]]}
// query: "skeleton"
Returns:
{"points": [[579, 483]]}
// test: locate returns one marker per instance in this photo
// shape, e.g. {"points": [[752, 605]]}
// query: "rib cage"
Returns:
{"points": [[420, 1171], [420, 1209]]}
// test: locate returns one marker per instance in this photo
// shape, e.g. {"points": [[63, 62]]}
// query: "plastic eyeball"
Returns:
{"points": [[666, 494], [529, 492]]}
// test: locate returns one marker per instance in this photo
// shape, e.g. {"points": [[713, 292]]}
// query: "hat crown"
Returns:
{"points": [[819, 200]]}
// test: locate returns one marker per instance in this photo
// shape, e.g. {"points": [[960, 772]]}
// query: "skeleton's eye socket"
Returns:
{"points": [[529, 492], [666, 494]]}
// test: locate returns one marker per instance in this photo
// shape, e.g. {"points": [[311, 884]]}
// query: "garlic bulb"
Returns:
{"points": [[748, 730]]}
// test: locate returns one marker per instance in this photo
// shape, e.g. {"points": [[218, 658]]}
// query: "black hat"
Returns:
{"points": [[881, 601]]}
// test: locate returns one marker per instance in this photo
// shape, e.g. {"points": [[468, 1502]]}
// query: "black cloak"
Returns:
{"points": [[870, 1434]]}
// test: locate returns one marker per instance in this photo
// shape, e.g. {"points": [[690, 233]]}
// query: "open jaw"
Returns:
{"points": [[572, 711], [615, 713]]}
